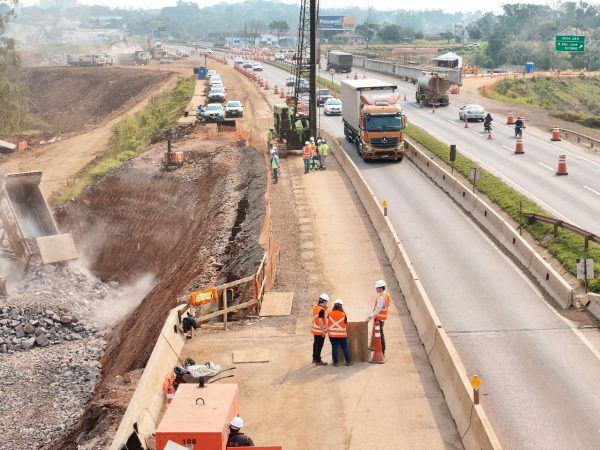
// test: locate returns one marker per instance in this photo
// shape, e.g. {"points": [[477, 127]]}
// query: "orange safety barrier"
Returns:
{"points": [[510, 119], [519, 149], [562, 165], [555, 134], [205, 296], [377, 356]]}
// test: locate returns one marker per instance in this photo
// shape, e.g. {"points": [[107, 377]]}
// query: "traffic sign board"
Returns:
{"points": [[570, 43]]}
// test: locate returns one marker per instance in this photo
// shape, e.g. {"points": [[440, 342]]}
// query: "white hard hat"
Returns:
{"points": [[312, 139], [338, 302], [306, 143], [236, 423], [380, 283], [324, 297]]}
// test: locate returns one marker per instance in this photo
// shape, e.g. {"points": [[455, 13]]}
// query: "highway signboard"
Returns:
{"points": [[570, 43]]}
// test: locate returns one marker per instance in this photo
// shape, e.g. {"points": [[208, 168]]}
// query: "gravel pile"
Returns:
{"points": [[50, 347]]}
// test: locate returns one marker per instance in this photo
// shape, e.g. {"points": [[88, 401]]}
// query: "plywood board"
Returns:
{"points": [[59, 247], [277, 304], [250, 356], [358, 342]]}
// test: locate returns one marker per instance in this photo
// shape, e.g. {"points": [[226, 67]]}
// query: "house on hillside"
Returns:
{"points": [[347, 38]]}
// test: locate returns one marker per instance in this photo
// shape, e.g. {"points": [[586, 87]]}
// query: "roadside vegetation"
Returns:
{"points": [[131, 136], [567, 247], [575, 99]]}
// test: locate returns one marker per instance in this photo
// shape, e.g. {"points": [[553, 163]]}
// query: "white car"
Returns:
{"points": [[215, 79], [216, 94], [234, 108], [257, 67], [214, 111], [211, 73], [333, 106], [471, 112], [239, 60], [279, 57], [247, 64], [183, 53]]}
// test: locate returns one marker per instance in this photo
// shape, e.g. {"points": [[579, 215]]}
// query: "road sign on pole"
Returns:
{"points": [[570, 43], [585, 271]]}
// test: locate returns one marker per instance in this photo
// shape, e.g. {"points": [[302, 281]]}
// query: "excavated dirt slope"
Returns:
{"points": [[193, 227], [68, 98]]}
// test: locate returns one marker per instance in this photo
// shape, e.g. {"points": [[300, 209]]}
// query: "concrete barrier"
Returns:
{"points": [[594, 305], [489, 219], [475, 429], [147, 400]]}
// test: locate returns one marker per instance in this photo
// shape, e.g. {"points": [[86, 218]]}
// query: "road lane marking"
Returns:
{"points": [[508, 148], [475, 132], [453, 122], [546, 166], [592, 190]]}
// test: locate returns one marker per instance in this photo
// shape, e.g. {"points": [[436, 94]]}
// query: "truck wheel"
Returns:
{"points": [[399, 159]]}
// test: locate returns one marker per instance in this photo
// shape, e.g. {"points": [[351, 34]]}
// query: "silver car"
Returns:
{"points": [[471, 112], [333, 106]]}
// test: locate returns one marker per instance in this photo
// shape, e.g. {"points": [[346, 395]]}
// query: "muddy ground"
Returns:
{"points": [[189, 228], [66, 99]]}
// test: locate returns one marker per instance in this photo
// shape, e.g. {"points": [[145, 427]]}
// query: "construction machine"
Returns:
{"points": [[170, 159], [296, 120]]}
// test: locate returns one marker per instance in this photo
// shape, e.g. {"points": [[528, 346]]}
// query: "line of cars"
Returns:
{"points": [[247, 64], [217, 109]]}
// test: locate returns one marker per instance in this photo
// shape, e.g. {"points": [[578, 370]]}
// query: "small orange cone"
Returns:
{"points": [[276, 90], [170, 393], [489, 136], [466, 123], [510, 119], [377, 356], [282, 95], [266, 85], [519, 147], [555, 134], [562, 165]]}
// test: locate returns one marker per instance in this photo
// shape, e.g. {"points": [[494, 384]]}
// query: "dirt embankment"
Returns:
{"points": [[65, 99], [190, 228]]}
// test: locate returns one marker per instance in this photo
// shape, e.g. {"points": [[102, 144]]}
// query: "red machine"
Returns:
{"points": [[170, 159], [198, 418]]}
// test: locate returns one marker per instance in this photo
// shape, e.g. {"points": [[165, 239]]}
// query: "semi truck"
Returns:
{"points": [[373, 119], [97, 59], [432, 89], [341, 62]]}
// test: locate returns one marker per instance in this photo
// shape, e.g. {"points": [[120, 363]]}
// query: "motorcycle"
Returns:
{"points": [[487, 127], [518, 131]]}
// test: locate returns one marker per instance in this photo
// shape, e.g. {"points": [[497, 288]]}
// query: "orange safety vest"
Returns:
{"points": [[336, 325], [313, 150], [384, 312], [306, 152], [319, 326]]}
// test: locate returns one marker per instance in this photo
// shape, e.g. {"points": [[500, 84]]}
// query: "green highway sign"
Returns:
{"points": [[570, 43]]}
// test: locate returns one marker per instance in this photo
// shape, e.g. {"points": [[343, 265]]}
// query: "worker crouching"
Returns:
{"points": [[336, 329], [236, 437]]}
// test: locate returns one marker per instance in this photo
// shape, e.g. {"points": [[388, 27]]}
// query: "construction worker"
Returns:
{"points": [[381, 308], [315, 154], [306, 155], [237, 438], [270, 135], [323, 152], [319, 328], [336, 329], [275, 165]]}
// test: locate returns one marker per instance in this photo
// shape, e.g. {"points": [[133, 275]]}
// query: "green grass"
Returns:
{"points": [[574, 99], [322, 82], [567, 247], [131, 136]]}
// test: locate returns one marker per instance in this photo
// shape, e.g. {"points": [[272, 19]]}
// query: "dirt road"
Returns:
{"points": [[62, 160]]}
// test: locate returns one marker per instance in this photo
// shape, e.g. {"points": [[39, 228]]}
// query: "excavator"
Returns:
{"points": [[170, 159]]}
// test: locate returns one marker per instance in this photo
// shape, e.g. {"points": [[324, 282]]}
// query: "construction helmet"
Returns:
{"points": [[236, 423], [380, 284], [338, 302], [307, 143], [312, 139], [324, 297]]}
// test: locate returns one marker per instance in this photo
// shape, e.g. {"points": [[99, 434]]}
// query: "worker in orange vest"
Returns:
{"points": [[306, 156], [314, 156], [336, 329], [319, 328], [381, 308]]}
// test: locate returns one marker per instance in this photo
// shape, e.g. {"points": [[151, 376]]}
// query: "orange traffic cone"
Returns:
{"points": [[276, 90], [519, 147], [489, 136], [466, 123], [266, 85], [555, 134], [510, 119], [562, 165], [377, 356], [282, 95]]}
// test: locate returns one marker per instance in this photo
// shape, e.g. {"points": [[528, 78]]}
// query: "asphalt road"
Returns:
{"points": [[539, 373]]}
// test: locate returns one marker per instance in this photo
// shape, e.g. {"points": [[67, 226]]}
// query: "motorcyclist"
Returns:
{"points": [[487, 123], [518, 127]]}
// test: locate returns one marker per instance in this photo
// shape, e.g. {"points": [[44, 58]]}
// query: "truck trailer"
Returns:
{"points": [[373, 119], [341, 62], [432, 89]]}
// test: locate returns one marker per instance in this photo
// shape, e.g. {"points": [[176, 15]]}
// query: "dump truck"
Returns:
{"points": [[141, 58], [432, 89], [373, 118], [27, 223], [341, 62]]}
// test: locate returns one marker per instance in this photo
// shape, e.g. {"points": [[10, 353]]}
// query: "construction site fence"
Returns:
{"points": [[557, 223], [594, 143]]}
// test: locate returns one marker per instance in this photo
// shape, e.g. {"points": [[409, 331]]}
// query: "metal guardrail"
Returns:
{"points": [[556, 224], [580, 136]]}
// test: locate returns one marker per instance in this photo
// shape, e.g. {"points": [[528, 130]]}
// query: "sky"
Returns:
{"points": [[445, 5]]}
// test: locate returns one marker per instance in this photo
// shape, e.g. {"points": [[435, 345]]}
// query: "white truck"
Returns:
{"points": [[373, 118]]}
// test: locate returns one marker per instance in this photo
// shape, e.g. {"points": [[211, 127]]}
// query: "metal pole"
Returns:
{"points": [[520, 216], [312, 100]]}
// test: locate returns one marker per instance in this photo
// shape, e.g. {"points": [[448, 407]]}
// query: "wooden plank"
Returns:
{"points": [[250, 356], [229, 310], [277, 304], [358, 342]]}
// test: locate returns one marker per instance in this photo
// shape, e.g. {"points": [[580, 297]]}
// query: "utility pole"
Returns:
{"points": [[313, 69]]}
